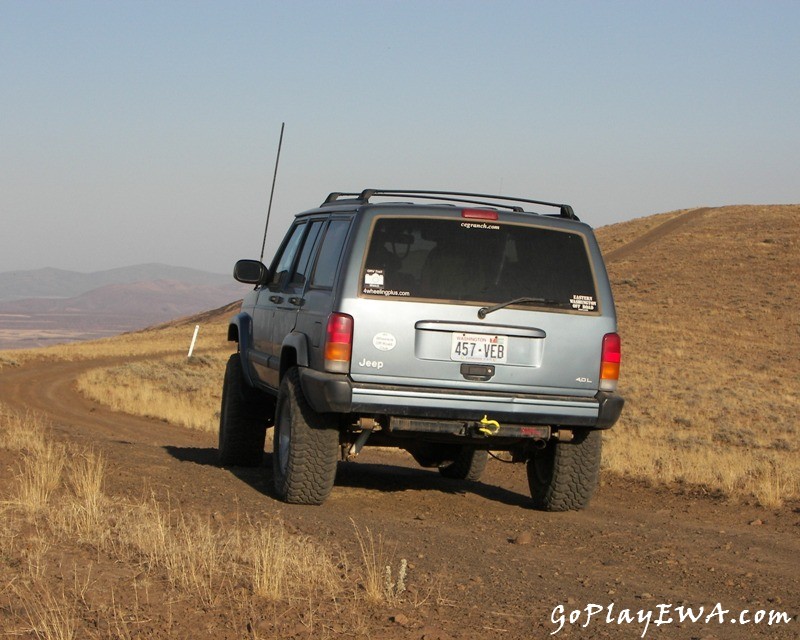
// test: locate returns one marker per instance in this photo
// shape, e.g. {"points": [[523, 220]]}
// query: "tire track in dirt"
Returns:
{"points": [[488, 560], [654, 235]]}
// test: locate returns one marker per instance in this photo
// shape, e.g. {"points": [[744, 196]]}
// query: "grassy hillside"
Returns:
{"points": [[711, 337]]}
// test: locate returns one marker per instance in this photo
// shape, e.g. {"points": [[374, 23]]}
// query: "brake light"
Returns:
{"points": [[338, 343], [610, 361], [479, 214]]}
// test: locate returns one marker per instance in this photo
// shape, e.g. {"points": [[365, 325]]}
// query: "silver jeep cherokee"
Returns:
{"points": [[449, 328]]}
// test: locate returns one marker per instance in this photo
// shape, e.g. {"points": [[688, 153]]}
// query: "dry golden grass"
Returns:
{"points": [[41, 461], [21, 432], [377, 580], [144, 543], [711, 336], [49, 616], [39, 476], [182, 391], [86, 509]]}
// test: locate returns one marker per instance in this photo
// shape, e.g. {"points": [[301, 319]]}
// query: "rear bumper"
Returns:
{"points": [[336, 393]]}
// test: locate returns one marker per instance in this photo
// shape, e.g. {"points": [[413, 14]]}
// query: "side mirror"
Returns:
{"points": [[250, 272]]}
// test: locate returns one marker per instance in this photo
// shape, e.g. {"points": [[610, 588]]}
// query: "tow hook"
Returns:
{"points": [[564, 435], [488, 427]]}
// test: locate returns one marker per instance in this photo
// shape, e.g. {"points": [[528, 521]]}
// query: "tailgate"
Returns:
{"points": [[530, 353]]}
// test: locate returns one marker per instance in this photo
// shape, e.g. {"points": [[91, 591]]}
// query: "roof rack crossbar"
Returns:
{"points": [[565, 210]]}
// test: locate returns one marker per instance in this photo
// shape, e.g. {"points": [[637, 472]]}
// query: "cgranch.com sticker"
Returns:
{"points": [[583, 303]]}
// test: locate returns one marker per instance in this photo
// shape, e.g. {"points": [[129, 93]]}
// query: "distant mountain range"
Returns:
{"points": [[59, 283], [45, 306]]}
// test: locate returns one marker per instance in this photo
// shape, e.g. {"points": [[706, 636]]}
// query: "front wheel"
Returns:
{"points": [[305, 448], [563, 476], [244, 417]]}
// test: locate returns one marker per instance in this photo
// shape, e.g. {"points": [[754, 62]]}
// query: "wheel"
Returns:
{"points": [[306, 448], [243, 418], [468, 465], [563, 476]]}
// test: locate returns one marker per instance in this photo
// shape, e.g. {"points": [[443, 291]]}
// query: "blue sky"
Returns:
{"points": [[136, 132]]}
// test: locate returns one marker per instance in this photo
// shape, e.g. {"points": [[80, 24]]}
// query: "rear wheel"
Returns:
{"points": [[244, 417], [305, 448], [563, 476], [469, 464]]}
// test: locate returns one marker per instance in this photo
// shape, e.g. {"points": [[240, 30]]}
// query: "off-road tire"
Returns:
{"points": [[244, 417], [305, 447], [468, 465], [563, 476]]}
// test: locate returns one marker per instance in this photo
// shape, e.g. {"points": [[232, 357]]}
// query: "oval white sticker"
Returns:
{"points": [[384, 341]]}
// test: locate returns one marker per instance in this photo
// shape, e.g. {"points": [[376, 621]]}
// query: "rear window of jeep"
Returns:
{"points": [[476, 261]]}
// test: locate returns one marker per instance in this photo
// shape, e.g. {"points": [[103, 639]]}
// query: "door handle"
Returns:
{"points": [[298, 302], [276, 299]]}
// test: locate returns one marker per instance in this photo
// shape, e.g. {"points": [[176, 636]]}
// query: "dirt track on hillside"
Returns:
{"points": [[498, 568], [657, 233]]}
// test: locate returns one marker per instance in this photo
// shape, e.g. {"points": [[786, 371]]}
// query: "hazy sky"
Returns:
{"points": [[143, 131]]}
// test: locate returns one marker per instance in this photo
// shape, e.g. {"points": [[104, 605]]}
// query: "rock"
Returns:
{"points": [[399, 619], [756, 523], [432, 633], [523, 538]]}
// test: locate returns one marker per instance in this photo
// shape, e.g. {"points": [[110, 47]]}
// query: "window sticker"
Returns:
{"points": [[583, 303], [480, 225], [386, 293], [373, 279], [374, 283]]}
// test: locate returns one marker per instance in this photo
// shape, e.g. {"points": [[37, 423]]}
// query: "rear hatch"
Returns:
{"points": [[479, 299]]}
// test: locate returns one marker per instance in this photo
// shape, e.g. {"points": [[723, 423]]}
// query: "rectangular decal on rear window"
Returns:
{"points": [[583, 303], [374, 284], [373, 279]]}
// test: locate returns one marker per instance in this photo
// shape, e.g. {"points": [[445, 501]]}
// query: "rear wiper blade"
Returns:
{"points": [[485, 311]]}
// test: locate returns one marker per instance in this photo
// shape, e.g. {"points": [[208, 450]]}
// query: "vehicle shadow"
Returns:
{"points": [[395, 478], [259, 478], [386, 478]]}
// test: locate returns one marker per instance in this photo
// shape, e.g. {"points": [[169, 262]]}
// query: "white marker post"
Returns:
{"points": [[194, 339]]}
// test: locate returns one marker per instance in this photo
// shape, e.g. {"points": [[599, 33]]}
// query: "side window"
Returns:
{"points": [[329, 253], [287, 256], [304, 262]]}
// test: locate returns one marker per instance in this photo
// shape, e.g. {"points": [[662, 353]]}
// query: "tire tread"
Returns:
{"points": [[313, 448], [574, 477], [244, 418]]}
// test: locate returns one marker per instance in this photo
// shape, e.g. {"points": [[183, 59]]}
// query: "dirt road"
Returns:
{"points": [[495, 567], [655, 234]]}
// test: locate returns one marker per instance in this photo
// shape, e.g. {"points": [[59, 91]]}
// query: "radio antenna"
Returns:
{"points": [[272, 192]]}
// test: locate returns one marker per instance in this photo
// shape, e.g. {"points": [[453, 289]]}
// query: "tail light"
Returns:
{"points": [[338, 343], [609, 363]]}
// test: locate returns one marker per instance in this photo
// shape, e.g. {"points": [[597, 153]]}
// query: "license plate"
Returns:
{"points": [[479, 347]]}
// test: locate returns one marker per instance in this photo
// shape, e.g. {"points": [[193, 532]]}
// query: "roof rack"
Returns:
{"points": [[363, 197]]}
